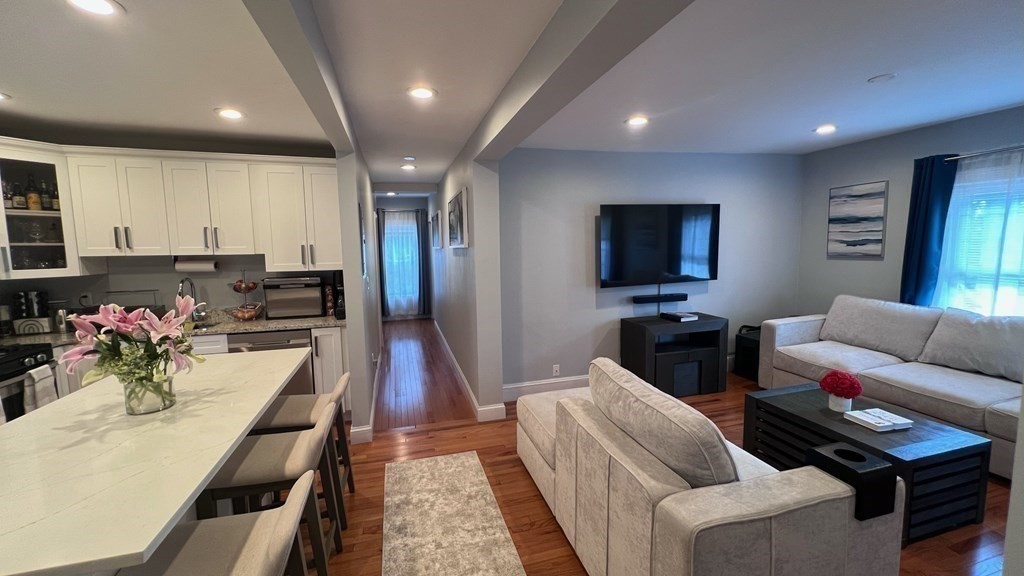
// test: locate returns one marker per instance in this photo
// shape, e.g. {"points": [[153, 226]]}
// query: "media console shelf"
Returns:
{"points": [[678, 358]]}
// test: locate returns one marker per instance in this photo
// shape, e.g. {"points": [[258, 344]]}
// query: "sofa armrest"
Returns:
{"points": [[784, 332], [795, 522], [607, 487]]}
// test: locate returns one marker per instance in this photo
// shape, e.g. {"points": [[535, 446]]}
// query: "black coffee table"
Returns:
{"points": [[945, 468]]}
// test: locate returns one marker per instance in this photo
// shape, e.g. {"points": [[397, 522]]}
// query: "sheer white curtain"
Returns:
{"points": [[982, 265], [402, 263]]}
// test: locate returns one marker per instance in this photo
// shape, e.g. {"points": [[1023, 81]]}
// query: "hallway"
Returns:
{"points": [[419, 385]]}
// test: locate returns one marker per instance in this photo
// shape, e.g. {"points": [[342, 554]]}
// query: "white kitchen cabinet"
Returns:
{"points": [[230, 208], [37, 243], [188, 208], [140, 186], [97, 204], [68, 383], [279, 195], [328, 358], [119, 206], [323, 217], [298, 216], [206, 344]]}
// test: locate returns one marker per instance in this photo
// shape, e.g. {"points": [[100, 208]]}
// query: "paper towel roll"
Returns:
{"points": [[195, 265]]}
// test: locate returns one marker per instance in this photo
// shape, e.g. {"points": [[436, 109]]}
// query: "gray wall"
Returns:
{"points": [[889, 158], [552, 309]]}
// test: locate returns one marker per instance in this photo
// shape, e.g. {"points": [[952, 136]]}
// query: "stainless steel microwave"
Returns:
{"points": [[293, 297]]}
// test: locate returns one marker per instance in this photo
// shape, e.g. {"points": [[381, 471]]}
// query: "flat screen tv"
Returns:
{"points": [[642, 244]]}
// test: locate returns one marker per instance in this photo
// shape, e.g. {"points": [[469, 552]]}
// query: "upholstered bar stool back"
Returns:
{"points": [[300, 411], [270, 463], [258, 544]]}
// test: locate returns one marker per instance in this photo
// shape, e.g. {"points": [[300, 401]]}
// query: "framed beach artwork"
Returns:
{"points": [[458, 231], [435, 229], [856, 221]]}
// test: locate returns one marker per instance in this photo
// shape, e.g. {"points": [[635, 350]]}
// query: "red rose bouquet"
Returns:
{"points": [[842, 384]]}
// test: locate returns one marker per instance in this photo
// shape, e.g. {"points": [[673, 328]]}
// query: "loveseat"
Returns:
{"points": [[642, 484], [954, 366]]}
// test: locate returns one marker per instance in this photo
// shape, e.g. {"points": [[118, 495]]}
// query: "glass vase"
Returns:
{"points": [[148, 396]]}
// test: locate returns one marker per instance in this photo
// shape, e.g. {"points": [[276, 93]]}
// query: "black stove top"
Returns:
{"points": [[18, 359]]}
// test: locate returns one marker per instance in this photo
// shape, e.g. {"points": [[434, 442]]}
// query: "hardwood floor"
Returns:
{"points": [[974, 550], [418, 384]]}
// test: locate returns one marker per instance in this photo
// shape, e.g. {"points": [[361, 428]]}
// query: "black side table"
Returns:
{"points": [[678, 358]]}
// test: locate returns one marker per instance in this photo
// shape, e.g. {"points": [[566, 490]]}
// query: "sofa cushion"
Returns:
{"points": [[951, 395], [536, 414], [1001, 419], [898, 329], [968, 341], [681, 437], [814, 360]]}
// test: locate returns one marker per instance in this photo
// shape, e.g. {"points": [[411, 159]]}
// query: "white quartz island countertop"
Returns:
{"points": [[86, 488]]}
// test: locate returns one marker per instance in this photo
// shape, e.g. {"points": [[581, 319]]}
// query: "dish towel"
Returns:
{"points": [[40, 388]]}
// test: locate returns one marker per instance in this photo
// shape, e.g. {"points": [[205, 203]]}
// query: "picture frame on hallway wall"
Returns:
{"points": [[856, 221], [458, 228], [435, 230]]}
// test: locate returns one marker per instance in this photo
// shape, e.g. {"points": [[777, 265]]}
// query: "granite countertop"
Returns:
{"points": [[220, 321]]}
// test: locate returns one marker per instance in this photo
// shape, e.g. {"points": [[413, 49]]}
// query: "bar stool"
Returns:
{"points": [[270, 463], [301, 411], [259, 544]]}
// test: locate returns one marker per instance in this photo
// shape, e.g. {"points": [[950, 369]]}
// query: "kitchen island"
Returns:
{"points": [[86, 488]]}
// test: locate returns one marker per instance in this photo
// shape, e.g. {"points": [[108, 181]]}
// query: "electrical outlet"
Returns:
{"points": [[556, 369], [85, 299]]}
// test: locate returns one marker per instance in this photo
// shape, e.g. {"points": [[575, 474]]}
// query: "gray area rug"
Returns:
{"points": [[441, 518]]}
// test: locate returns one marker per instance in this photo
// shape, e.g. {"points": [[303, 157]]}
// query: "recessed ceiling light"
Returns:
{"points": [[638, 120], [422, 92], [409, 158], [408, 167], [100, 7], [825, 129], [392, 194], [4, 96], [882, 78], [230, 113]]}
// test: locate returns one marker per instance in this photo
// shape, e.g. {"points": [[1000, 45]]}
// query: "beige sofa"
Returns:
{"points": [[951, 365], [642, 484]]}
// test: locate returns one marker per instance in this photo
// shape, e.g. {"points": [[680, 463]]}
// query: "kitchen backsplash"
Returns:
{"points": [[152, 273]]}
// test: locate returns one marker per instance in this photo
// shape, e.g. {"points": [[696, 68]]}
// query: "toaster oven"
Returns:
{"points": [[293, 297]]}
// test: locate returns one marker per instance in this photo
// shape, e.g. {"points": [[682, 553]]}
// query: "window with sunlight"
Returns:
{"points": [[982, 265], [401, 263]]}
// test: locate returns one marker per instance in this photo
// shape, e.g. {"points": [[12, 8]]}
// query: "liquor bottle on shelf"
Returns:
{"points": [[32, 197], [18, 200], [54, 198], [8, 201], [44, 195]]}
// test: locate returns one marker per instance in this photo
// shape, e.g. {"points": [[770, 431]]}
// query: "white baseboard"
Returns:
{"points": [[512, 392], [361, 434], [483, 413]]}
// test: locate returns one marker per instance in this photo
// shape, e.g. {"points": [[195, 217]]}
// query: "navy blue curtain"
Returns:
{"points": [[929, 204]]}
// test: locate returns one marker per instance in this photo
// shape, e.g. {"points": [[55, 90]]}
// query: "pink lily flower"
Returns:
{"points": [[106, 316], [168, 326], [85, 331], [185, 305], [128, 324], [181, 361], [75, 356]]}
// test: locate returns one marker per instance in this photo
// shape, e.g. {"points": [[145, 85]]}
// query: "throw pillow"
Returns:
{"points": [[988, 344]]}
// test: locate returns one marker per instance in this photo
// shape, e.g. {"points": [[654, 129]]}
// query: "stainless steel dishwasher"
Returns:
{"points": [[302, 382]]}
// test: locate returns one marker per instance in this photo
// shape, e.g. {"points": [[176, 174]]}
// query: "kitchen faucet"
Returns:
{"points": [[197, 315]]}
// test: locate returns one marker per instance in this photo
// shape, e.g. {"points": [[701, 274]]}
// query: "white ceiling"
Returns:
{"points": [[465, 49], [744, 76], [161, 67]]}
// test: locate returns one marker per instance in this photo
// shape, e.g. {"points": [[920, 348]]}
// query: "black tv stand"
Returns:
{"points": [[659, 298], [678, 358]]}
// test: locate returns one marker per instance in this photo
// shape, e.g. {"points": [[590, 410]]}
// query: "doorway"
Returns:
{"points": [[404, 262]]}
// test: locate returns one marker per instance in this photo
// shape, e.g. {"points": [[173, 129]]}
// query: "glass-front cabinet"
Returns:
{"points": [[37, 235]]}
